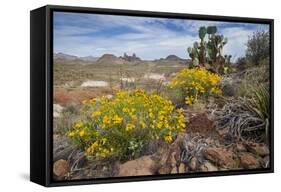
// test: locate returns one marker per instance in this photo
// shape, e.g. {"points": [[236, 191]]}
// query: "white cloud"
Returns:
{"points": [[149, 38], [237, 39]]}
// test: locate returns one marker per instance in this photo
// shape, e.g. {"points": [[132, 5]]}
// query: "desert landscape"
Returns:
{"points": [[123, 115]]}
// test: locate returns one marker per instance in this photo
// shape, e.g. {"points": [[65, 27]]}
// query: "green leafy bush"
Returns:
{"points": [[258, 47]]}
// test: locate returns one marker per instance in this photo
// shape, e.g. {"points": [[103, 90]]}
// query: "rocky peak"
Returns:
{"points": [[127, 57]]}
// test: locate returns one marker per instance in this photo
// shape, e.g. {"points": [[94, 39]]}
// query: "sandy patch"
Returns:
{"points": [[129, 80], [91, 83], [155, 76]]}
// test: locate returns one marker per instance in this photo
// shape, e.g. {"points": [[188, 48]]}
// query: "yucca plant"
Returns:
{"points": [[261, 101]]}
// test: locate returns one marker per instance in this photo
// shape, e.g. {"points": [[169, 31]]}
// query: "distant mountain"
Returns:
{"points": [[107, 56], [89, 58], [72, 59], [64, 56], [173, 58], [109, 59]]}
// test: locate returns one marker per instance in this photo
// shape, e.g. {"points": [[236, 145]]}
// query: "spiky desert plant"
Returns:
{"points": [[211, 30], [210, 51], [202, 49], [194, 54], [246, 118], [261, 101], [215, 47]]}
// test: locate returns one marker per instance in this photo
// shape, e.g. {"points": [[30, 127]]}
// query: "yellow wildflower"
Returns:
{"points": [[189, 100], [134, 117], [93, 101], [82, 133], [71, 134], [130, 126], [105, 121], [116, 119], [196, 82], [143, 125], [161, 117], [145, 116], [166, 124], [78, 125], [216, 90], [84, 102], [96, 114], [126, 110], [168, 138], [159, 124], [103, 141]]}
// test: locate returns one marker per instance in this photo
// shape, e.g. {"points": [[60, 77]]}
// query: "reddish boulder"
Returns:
{"points": [[249, 161], [220, 157], [61, 168], [207, 166], [260, 149], [142, 166], [200, 123], [182, 168]]}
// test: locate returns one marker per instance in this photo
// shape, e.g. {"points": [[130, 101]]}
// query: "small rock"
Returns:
{"points": [[174, 170], [164, 170], [209, 141], [249, 161], [193, 163], [266, 161], [207, 166], [258, 149], [240, 147], [171, 156], [105, 168], [142, 166], [220, 156], [222, 132], [190, 146], [182, 168], [61, 168], [109, 96], [173, 159]]}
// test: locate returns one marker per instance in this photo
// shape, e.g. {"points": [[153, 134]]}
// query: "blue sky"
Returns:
{"points": [[83, 34]]}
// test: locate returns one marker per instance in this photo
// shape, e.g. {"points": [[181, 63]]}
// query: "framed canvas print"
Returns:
{"points": [[120, 95]]}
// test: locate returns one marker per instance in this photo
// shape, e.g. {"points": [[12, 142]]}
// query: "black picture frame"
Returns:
{"points": [[41, 99]]}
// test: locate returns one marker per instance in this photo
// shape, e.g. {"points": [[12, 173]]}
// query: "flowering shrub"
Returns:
{"points": [[195, 83], [121, 126]]}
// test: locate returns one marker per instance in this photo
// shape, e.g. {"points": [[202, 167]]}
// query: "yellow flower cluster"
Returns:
{"points": [[195, 83], [110, 125], [189, 100]]}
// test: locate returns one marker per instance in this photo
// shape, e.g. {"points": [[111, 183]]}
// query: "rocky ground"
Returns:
{"points": [[203, 148]]}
